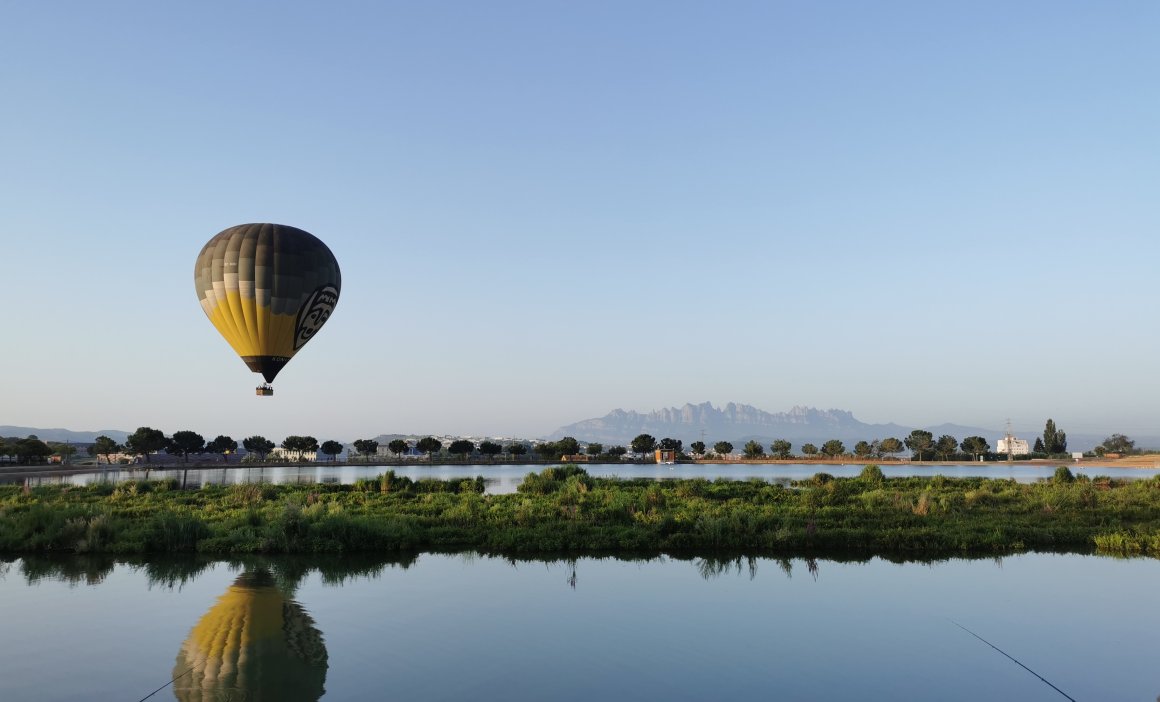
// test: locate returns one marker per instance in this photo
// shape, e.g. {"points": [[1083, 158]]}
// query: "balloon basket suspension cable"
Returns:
{"points": [[264, 390]]}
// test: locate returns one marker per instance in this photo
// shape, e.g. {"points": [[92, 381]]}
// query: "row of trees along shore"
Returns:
{"points": [[146, 441]]}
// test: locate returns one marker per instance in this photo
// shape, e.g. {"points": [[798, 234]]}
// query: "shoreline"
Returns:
{"points": [[1144, 462]]}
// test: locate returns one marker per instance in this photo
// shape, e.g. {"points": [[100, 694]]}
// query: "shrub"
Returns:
{"points": [[244, 494]]}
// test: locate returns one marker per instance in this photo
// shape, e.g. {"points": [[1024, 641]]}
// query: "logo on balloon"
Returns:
{"points": [[313, 314]]}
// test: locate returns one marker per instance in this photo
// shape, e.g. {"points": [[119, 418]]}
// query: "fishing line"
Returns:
{"points": [[168, 683], [1045, 680]]}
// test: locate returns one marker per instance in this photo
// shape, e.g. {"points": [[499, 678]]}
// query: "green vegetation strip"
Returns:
{"points": [[563, 509]]}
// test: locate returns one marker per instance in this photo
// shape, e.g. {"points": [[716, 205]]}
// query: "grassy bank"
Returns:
{"points": [[564, 509]]}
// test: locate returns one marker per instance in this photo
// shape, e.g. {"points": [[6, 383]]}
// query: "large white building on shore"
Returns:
{"points": [[1018, 447]]}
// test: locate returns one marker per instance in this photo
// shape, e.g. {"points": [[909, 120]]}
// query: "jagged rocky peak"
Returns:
{"points": [[731, 421]]}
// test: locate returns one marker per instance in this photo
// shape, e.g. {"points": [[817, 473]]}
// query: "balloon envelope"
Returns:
{"points": [[254, 644], [268, 289]]}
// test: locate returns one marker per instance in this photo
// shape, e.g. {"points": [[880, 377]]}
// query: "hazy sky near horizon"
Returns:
{"points": [[920, 212]]}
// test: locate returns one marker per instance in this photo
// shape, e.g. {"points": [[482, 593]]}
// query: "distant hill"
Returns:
{"points": [[79, 437], [739, 423]]}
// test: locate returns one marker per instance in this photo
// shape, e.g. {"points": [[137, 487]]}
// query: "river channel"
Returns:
{"points": [[470, 627], [505, 478]]}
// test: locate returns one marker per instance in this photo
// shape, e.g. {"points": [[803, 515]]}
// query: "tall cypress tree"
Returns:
{"points": [[1049, 437]]}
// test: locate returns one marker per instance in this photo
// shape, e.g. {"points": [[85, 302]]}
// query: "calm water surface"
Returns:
{"points": [[505, 478], [453, 627]]}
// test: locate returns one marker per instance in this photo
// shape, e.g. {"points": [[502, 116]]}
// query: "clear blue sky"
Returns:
{"points": [[920, 212]]}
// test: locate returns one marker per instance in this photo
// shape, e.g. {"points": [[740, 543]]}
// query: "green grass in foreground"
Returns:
{"points": [[563, 509]]}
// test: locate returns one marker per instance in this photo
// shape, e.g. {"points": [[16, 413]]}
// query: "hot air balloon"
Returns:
{"points": [[268, 289], [254, 644]]}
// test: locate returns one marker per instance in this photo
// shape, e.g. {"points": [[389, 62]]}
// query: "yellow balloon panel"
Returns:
{"points": [[256, 331]]}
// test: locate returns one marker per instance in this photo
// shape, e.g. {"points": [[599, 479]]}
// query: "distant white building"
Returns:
{"points": [[383, 452], [282, 454], [1019, 447]]}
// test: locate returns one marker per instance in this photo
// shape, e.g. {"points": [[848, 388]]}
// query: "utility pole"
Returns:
{"points": [[1010, 443]]}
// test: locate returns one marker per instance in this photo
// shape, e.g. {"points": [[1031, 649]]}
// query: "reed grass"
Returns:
{"points": [[563, 509]]}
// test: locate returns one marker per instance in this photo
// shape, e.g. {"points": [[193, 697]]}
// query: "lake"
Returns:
{"points": [[470, 627], [505, 478]]}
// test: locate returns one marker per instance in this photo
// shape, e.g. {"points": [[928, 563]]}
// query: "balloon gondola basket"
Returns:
{"points": [[264, 390]]}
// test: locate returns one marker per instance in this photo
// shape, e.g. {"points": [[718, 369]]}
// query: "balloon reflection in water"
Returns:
{"points": [[254, 644]]}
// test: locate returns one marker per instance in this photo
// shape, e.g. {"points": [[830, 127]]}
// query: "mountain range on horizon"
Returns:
{"points": [[58, 434], [739, 423]]}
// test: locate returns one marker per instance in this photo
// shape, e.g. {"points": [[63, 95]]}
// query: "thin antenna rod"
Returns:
{"points": [[1045, 680], [1010, 443]]}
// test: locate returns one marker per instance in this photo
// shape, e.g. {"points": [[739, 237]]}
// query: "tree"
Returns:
{"points": [[671, 444], [863, 449], [64, 449], [397, 447], [809, 450], [976, 446], [594, 449], [490, 449], [429, 445], [222, 445], [833, 448], [1054, 440], [946, 446], [103, 446], [890, 446], [722, 448], [461, 448], [30, 449], [300, 445], [259, 445], [919, 442], [617, 451], [331, 448], [1118, 443], [517, 449], [781, 448], [547, 450], [366, 447], [145, 441], [753, 449], [643, 443], [567, 446], [185, 442], [698, 448], [1039, 447]]}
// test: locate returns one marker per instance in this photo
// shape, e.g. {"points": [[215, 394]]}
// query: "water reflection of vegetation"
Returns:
{"points": [[564, 509], [287, 572]]}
